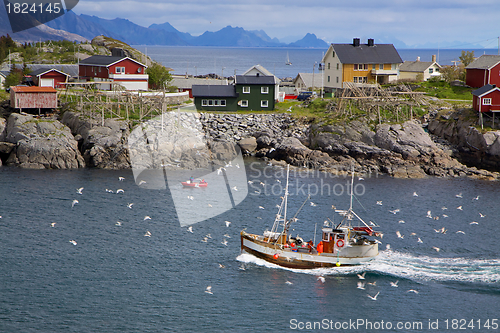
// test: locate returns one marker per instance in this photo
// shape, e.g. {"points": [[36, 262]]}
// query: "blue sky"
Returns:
{"points": [[414, 22]]}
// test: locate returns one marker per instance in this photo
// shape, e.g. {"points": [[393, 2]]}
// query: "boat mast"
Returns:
{"points": [[281, 210]]}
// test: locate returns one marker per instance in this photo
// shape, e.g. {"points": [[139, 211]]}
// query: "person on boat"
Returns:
{"points": [[203, 181], [191, 179], [319, 247], [310, 245]]}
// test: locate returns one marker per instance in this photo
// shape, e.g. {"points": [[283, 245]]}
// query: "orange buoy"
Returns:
{"points": [[276, 256]]}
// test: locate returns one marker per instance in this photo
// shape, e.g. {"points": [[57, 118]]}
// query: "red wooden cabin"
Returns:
{"points": [[482, 71], [486, 99], [49, 77]]}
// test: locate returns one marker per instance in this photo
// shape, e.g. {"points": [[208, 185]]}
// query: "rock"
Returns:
{"points": [[248, 144], [3, 123], [41, 144], [6, 147]]}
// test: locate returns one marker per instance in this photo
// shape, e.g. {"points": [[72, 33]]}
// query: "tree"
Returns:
{"points": [[14, 78], [159, 76], [467, 57]]}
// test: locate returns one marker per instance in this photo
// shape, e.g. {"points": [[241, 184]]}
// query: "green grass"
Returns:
{"points": [[444, 90]]}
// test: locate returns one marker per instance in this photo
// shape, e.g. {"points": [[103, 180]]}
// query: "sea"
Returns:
{"points": [[228, 61], [119, 261]]}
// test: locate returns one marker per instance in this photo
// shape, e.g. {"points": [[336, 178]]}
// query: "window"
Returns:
{"points": [[244, 103], [222, 102], [355, 79], [337, 79], [119, 70], [381, 66], [486, 101], [210, 102], [204, 102], [365, 67], [430, 71], [264, 90], [264, 103], [338, 65], [333, 54], [373, 66], [213, 102], [328, 78], [216, 102], [246, 89], [328, 65], [355, 67]]}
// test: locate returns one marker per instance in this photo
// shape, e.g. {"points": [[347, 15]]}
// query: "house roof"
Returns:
{"points": [[214, 91], [70, 69], [4, 73], [486, 61], [188, 82], [41, 71], [364, 54], [416, 66], [263, 71], [486, 89], [307, 78], [33, 89], [106, 61], [244, 79]]}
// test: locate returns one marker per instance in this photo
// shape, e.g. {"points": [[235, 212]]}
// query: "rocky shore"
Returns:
{"points": [[402, 151]]}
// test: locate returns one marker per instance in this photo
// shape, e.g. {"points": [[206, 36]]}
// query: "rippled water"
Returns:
{"points": [[118, 280]]}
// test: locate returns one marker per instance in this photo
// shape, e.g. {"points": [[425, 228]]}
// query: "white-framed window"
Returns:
{"points": [[328, 65], [381, 66], [431, 70], [213, 102], [216, 102], [486, 101], [264, 103], [246, 89], [264, 90], [244, 103], [328, 78], [355, 79], [222, 102], [338, 66], [210, 102], [204, 102], [120, 70], [337, 79]]}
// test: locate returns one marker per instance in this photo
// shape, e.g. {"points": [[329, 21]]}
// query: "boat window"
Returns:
{"points": [[325, 237]]}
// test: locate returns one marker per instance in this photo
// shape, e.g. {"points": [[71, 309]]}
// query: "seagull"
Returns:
{"points": [[473, 222], [362, 276], [208, 236], [387, 246], [459, 195], [109, 191], [250, 182], [260, 207], [373, 297], [73, 242], [224, 242], [371, 223], [395, 211], [118, 223], [222, 266], [121, 178], [263, 184], [444, 208], [234, 188], [79, 190], [209, 205], [53, 224], [374, 283], [190, 229], [242, 267], [205, 239], [313, 204], [147, 218], [227, 236], [459, 208], [419, 240], [401, 221], [130, 205], [360, 179], [361, 285], [436, 248], [415, 194], [120, 191], [142, 182], [321, 278], [288, 282], [476, 198], [379, 203], [482, 215], [460, 232], [444, 215], [412, 291], [74, 203], [147, 234], [429, 215], [209, 290], [399, 235], [190, 197], [394, 284], [228, 223], [219, 170]]}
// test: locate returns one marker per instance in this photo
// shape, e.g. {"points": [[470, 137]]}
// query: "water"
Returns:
{"points": [[227, 61], [117, 280]]}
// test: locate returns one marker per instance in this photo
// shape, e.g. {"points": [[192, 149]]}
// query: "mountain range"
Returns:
{"points": [[80, 27]]}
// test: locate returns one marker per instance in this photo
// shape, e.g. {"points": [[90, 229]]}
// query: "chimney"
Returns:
{"points": [[355, 42], [371, 42], [433, 58], [418, 58]]}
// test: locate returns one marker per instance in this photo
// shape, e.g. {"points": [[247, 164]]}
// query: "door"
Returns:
{"points": [[47, 83]]}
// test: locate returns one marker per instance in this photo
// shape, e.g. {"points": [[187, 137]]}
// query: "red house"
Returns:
{"points": [[482, 71], [486, 99], [33, 97], [49, 77], [128, 72]]}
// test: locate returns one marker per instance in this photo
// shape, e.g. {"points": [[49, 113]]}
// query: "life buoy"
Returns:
{"points": [[340, 243]]}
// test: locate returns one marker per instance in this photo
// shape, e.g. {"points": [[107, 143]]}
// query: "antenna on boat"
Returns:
{"points": [[286, 196], [352, 187]]}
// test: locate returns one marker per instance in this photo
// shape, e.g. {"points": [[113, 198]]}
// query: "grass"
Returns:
{"points": [[443, 90]]}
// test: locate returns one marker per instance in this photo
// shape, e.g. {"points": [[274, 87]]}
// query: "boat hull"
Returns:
{"points": [[353, 255], [193, 185]]}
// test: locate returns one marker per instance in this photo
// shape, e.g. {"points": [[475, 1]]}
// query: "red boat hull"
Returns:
{"points": [[188, 184]]}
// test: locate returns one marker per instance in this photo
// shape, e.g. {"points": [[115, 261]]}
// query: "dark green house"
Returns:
{"points": [[251, 93]]}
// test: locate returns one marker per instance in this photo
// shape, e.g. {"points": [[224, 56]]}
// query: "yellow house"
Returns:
{"points": [[360, 64]]}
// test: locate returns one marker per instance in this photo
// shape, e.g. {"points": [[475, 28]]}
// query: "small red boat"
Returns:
{"points": [[195, 183]]}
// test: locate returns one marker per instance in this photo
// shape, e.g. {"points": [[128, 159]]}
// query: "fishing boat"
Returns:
{"points": [[288, 62], [195, 183], [350, 242]]}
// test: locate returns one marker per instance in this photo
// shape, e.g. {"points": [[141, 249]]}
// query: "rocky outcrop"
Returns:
{"points": [[103, 146], [38, 144]]}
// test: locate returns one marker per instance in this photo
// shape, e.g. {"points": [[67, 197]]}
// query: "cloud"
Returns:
{"points": [[409, 20]]}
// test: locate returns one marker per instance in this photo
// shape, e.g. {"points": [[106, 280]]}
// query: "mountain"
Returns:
{"points": [[169, 28], [230, 36], [310, 40]]}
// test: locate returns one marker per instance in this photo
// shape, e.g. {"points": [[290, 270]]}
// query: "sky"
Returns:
{"points": [[413, 22]]}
